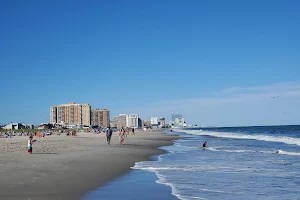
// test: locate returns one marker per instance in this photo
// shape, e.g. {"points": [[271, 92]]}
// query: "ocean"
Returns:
{"points": [[238, 163]]}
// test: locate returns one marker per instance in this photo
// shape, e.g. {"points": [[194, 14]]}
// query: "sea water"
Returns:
{"points": [[238, 163]]}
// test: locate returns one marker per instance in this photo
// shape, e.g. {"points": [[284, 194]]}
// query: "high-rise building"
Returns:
{"points": [[100, 117], [133, 121], [95, 117], [114, 122], [71, 113], [123, 118], [53, 115], [105, 120], [179, 121], [86, 114], [154, 121], [162, 121], [174, 116], [140, 123], [119, 121]]}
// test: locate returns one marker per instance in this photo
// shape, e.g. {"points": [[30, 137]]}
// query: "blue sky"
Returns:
{"points": [[199, 58]]}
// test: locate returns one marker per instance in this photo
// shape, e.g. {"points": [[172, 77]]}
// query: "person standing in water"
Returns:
{"points": [[204, 144]]}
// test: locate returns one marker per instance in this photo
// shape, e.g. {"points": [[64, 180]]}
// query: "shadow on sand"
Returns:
{"points": [[134, 145], [45, 153]]}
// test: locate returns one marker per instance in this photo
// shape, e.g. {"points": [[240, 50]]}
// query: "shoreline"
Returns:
{"points": [[133, 185], [67, 167]]}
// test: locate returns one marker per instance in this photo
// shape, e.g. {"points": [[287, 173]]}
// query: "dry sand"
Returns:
{"points": [[66, 167]]}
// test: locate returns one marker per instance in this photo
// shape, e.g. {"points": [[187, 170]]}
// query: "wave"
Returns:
{"points": [[222, 148], [251, 151], [233, 151], [268, 138], [161, 178], [287, 153]]}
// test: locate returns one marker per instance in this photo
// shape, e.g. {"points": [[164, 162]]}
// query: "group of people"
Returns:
{"points": [[122, 135]]}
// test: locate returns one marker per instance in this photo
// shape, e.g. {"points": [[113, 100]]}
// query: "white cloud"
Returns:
{"points": [[276, 87], [239, 106], [231, 90]]}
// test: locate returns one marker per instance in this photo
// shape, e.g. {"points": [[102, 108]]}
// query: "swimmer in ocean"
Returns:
{"points": [[204, 144]]}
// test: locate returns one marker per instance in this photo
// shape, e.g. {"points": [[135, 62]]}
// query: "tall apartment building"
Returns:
{"points": [[105, 117], [133, 121], [53, 115], [120, 121], [71, 113], [162, 121], [154, 121], [100, 117], [86, 114], [123, 118]]}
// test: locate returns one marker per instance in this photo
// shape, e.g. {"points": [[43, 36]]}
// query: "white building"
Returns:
{"points": [[162, 121], [179, 121], [13, 126], [154, 121], [133, 121]]}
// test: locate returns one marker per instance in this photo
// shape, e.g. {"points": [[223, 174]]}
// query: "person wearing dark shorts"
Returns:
{"points": [[108, 135]]}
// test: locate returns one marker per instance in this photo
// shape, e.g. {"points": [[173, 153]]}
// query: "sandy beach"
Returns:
{"points": [[66, 167]]}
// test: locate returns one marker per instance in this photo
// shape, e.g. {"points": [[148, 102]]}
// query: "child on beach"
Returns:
{"points": [[30, 142]]}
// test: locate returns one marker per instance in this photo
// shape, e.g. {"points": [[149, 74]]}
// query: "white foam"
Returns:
{"points": [[251, 151], [287, 153], [154, 169], [161, 179], [283, 139], [237, 151]]}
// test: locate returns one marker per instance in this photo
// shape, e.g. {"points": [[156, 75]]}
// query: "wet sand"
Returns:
{"points": [[67, 167]]}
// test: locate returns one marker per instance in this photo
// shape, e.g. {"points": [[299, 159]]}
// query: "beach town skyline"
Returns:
{"points": [[76, 115]]}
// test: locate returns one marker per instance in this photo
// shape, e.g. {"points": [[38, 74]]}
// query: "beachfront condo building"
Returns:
{"points": [[162, 121], [86, 114], [100, 117], [115, 122], [71, 113], [53, 114], [154, 121], [133, 121], [123, 119]]}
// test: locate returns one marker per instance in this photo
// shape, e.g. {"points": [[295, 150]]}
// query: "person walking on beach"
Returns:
{"points": [[122, 136], [108, 135], [30, 142], [126, 132], [132, 131]]}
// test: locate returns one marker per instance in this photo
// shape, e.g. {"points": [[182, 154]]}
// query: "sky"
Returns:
{"points": [[218, 63]]}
